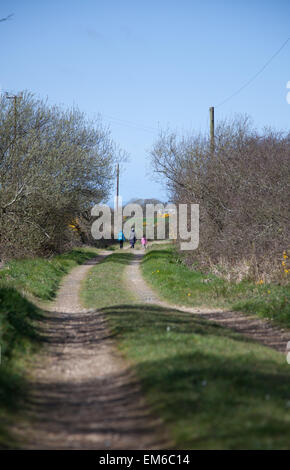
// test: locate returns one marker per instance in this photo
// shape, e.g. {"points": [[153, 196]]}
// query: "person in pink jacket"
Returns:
{"points": [[144, 242]]}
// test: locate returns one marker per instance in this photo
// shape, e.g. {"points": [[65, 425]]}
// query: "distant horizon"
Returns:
{"points": [[125, 202]]}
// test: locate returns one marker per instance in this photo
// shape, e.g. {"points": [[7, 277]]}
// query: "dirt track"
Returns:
{"points": [[82, 392], [255, 328], [83, 396]]}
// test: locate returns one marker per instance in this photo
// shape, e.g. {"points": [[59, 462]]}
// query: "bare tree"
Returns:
{"points": [[53, 167], [242, 189]]}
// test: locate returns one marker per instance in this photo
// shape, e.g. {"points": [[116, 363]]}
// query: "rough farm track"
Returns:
{"points": [[82, 394], [251, 326]]}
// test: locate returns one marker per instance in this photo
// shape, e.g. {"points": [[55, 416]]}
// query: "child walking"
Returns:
{"points": [[144, 242]]}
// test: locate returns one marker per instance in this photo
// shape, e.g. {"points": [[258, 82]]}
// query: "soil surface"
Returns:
{"points": [[82, 392]]}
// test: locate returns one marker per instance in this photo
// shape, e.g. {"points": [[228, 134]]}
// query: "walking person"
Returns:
{"points": [[144, 242], [121, 238], [132, 237]]}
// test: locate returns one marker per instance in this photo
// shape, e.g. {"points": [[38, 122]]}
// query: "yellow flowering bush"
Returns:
{"points": [[285, 263]]}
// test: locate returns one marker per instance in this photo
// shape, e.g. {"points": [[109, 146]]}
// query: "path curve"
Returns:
{"points": [[251, 326], [83, 395]]}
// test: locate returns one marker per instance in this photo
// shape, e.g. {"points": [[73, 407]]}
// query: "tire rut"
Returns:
{"points": [[82, 394]]}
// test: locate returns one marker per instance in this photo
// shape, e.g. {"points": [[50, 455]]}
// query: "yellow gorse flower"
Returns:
{"points": [[284, 262]]}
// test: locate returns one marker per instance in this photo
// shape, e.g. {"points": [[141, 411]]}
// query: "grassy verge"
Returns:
{"points": [[40, 276], [18, 335], [213, 388], [178, 284]]}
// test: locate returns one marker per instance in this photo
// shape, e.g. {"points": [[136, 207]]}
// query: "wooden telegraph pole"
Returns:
{"points": [[15, 117], [211, 121], [118, 176], [117, 191], [14, 98], [117, 197]]}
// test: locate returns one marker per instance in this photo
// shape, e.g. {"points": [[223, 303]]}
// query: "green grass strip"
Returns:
{"points": [[109, 274], [213, 388]]}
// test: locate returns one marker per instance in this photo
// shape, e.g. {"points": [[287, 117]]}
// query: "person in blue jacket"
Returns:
{"points": [[121, 238]]}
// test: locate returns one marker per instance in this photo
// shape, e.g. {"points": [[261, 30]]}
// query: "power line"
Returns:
{"points": [[115, 120], [255, 76], [130, 124]]}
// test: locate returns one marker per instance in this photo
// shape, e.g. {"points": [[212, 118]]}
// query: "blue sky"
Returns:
{"points": [[146, 65]]}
